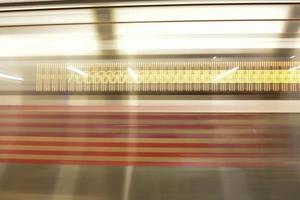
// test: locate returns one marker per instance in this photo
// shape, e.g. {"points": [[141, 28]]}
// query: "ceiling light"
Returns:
{"points": [[49, 44], [46, 17], [208, 29], [217, 12], [160, 45]]}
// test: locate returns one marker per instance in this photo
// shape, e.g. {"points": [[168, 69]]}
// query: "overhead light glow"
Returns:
{"points": [[221, 76], [207, 29], [294, 68], [292, 57], [173, 38], [215, 57], [133, 74], [46, 17], [62, 43], [154, 45], [11, 77], [217, 12], [76, 70]]}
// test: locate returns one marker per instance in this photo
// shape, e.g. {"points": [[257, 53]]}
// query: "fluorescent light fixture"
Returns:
{"points": [[294, 68], [46, 17], [160, 38], [292, 57], [76, 70], [11, 77], [133, 74], [158, 45], [221, 76], [217, 12], [68, 41], [209, 29]]}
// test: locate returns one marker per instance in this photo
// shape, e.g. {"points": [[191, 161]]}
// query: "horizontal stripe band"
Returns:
{"points": [[142, 126], [146, 149], [144, 140], [145, 135], [145, 159], [137, 116], [147, 164], [148, 131], [137, 145], [145, 154]]}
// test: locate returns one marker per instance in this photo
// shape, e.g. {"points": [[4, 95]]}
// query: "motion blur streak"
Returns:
{"points": [[65, 154], [179, 130], [149, 100]]}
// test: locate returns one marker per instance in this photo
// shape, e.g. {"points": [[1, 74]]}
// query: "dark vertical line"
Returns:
{"points": [[106, 32]]}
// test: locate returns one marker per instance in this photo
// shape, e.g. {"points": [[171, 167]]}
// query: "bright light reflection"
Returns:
{"points": [[221, 76], [76, 70], [11, 77], [133, 74], [294, 68]]}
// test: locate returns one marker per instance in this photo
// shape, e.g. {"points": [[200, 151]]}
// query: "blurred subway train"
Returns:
{"points": [[153, 100]]}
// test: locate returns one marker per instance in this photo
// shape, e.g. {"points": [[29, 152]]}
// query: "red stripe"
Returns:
{"points": [[143, 144], [142, 126], [144, 154], [146, 135], [154, 164], [136, 116]]}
